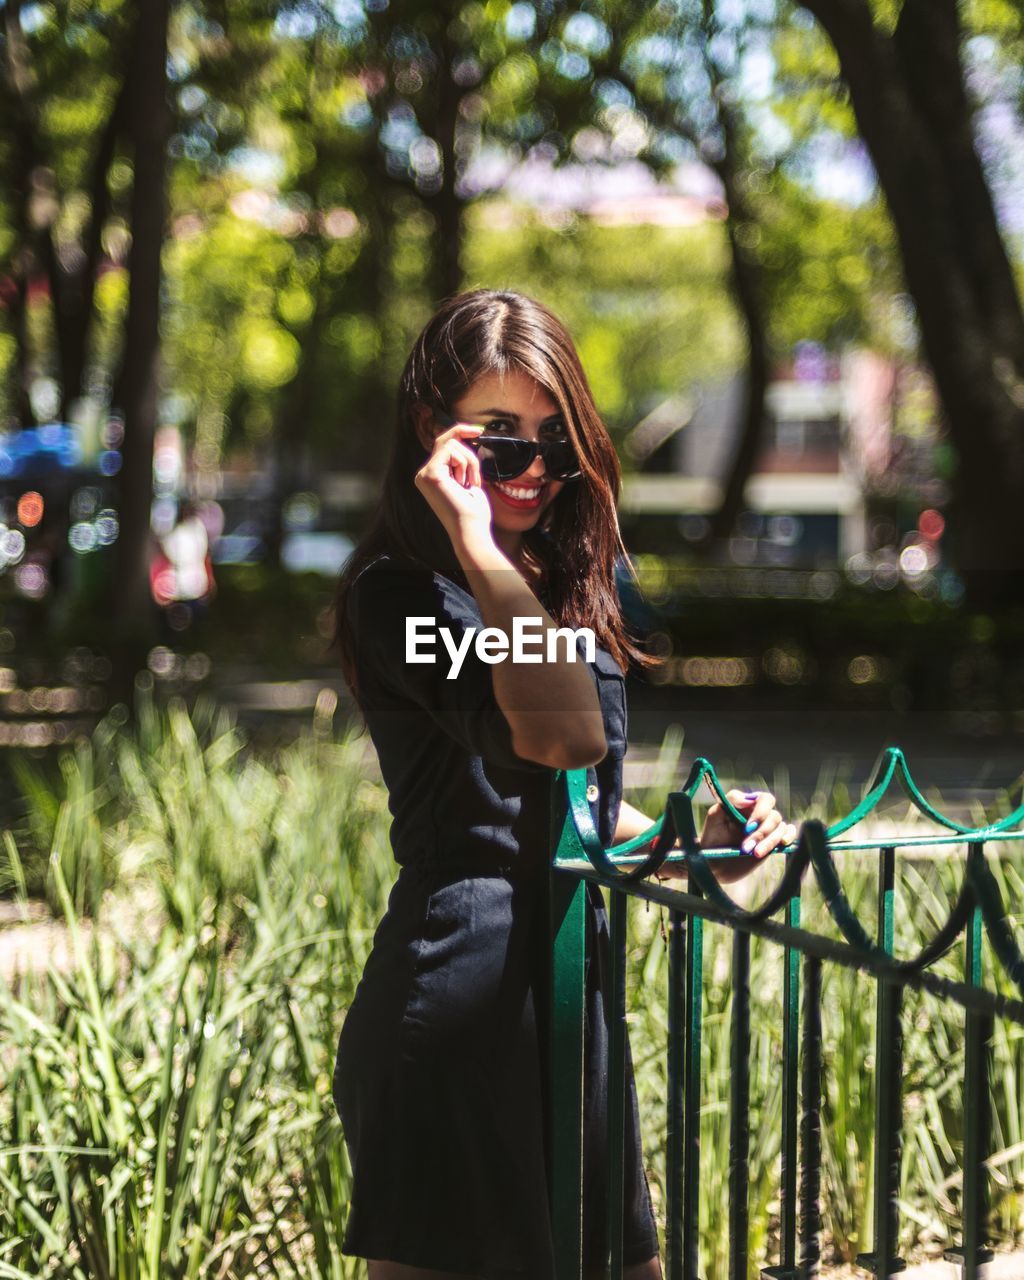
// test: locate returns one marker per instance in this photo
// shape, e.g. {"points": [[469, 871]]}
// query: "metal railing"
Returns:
{"points": [[579, 856]]}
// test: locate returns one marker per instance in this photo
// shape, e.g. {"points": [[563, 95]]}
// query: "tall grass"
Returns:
{"points": [[166, 1108]]}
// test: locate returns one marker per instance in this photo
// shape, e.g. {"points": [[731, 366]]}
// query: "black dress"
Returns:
{"points": [[440, 1077]]}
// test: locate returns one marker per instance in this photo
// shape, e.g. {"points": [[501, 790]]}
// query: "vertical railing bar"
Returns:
{"points": [[883, 1261], [977, 1037], [790, 1086], [969, 1208], [675, 1129], [568, 923], [739, 1111], [810, 1123], [786, 1270], [617, 1081], [691, 1094]]}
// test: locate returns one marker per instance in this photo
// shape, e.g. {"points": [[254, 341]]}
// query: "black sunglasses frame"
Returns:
{"points": [[525, 451]]}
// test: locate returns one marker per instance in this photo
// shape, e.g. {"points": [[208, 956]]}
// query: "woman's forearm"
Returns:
{"points": [[633, 823], [551, 705]]}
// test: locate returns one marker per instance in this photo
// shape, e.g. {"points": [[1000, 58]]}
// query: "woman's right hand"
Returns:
{"points": [[450, 482]]}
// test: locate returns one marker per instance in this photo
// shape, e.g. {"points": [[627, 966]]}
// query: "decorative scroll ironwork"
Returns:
{"points": [[579, 856]]}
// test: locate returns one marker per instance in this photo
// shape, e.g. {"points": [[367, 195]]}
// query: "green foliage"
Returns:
{"points": [[305, 223], [831, 269], [646, 306], [167, 1107], [168, 1103]]}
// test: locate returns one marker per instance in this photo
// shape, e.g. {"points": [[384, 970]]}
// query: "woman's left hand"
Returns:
{"points": [[764, 830]]}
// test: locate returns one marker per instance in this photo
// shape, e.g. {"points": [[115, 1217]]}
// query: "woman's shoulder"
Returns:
{"points": [[400, 585], [386, 565], [394, 568]]}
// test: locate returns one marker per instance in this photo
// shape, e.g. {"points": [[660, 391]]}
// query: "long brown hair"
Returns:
{"points": [[576, 546]]}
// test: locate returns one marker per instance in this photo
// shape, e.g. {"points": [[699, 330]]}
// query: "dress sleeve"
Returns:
{"points": [[465, 707]]}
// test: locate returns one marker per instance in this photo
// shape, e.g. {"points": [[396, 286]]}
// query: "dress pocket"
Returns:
{"points": [[460, 968]]}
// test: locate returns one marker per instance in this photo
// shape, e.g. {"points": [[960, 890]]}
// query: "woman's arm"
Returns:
{"points": [[552, 706], [764, 831], [633, 823]]}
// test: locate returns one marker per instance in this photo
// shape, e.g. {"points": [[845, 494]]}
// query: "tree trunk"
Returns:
{"points": [[133, 615], [913, 113], [28, 253], [747, 292], [291, 427], [746, 281], [71, 292], [79, 291], [365, 444]]}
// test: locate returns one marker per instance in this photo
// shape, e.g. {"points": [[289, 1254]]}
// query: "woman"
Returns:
{"points": [[440, 1074]]}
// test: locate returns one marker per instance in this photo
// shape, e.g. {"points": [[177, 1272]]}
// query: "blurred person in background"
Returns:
{"points": [[181, 570]]}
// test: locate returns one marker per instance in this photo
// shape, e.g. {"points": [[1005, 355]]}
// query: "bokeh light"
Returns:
{"points": [[12, 545], [914, 560], [82, 537], [112, 434], [32, 580], [107, 527], [30, 508], [84, 502]]}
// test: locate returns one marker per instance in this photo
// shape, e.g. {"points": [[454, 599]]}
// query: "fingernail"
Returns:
{"points": [[748, 845], [751, 795], [751, 826]]}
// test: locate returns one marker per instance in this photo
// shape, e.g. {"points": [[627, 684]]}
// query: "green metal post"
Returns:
{"points": [[616, 1080], [978, 1032], [810, 1124], [568, 908], [787, 1270], [888, 1095], [691, 1094], [676, 1073], [739, 1108]]}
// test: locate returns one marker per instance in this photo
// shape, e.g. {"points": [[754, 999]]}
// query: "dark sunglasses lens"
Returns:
{"points": [[503, 458], [560, 460], [506, 457]]}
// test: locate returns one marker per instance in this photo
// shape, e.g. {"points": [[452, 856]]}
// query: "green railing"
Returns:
{"points": [[579, 856]]}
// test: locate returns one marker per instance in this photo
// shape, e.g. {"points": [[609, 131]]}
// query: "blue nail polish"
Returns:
{"points": [[751, 826]]}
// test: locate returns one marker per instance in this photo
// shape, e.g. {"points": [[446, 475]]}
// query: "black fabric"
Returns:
{"points": [[456, 788], [440, 1075]]}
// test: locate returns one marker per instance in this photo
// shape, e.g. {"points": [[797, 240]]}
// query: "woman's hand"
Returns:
{"points": [[450, 482], [763, 831]]}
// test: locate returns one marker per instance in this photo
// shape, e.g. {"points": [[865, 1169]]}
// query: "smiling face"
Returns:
{"points": [[515, 404]]}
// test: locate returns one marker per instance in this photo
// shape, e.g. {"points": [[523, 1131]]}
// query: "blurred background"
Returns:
{"points": [[788, 239], [788, 242]]}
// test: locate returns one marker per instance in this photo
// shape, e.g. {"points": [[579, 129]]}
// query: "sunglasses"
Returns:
{"points": [[505, 457]]}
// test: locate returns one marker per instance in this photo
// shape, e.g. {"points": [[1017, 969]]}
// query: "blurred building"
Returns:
{"points": [[827, 440]]}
